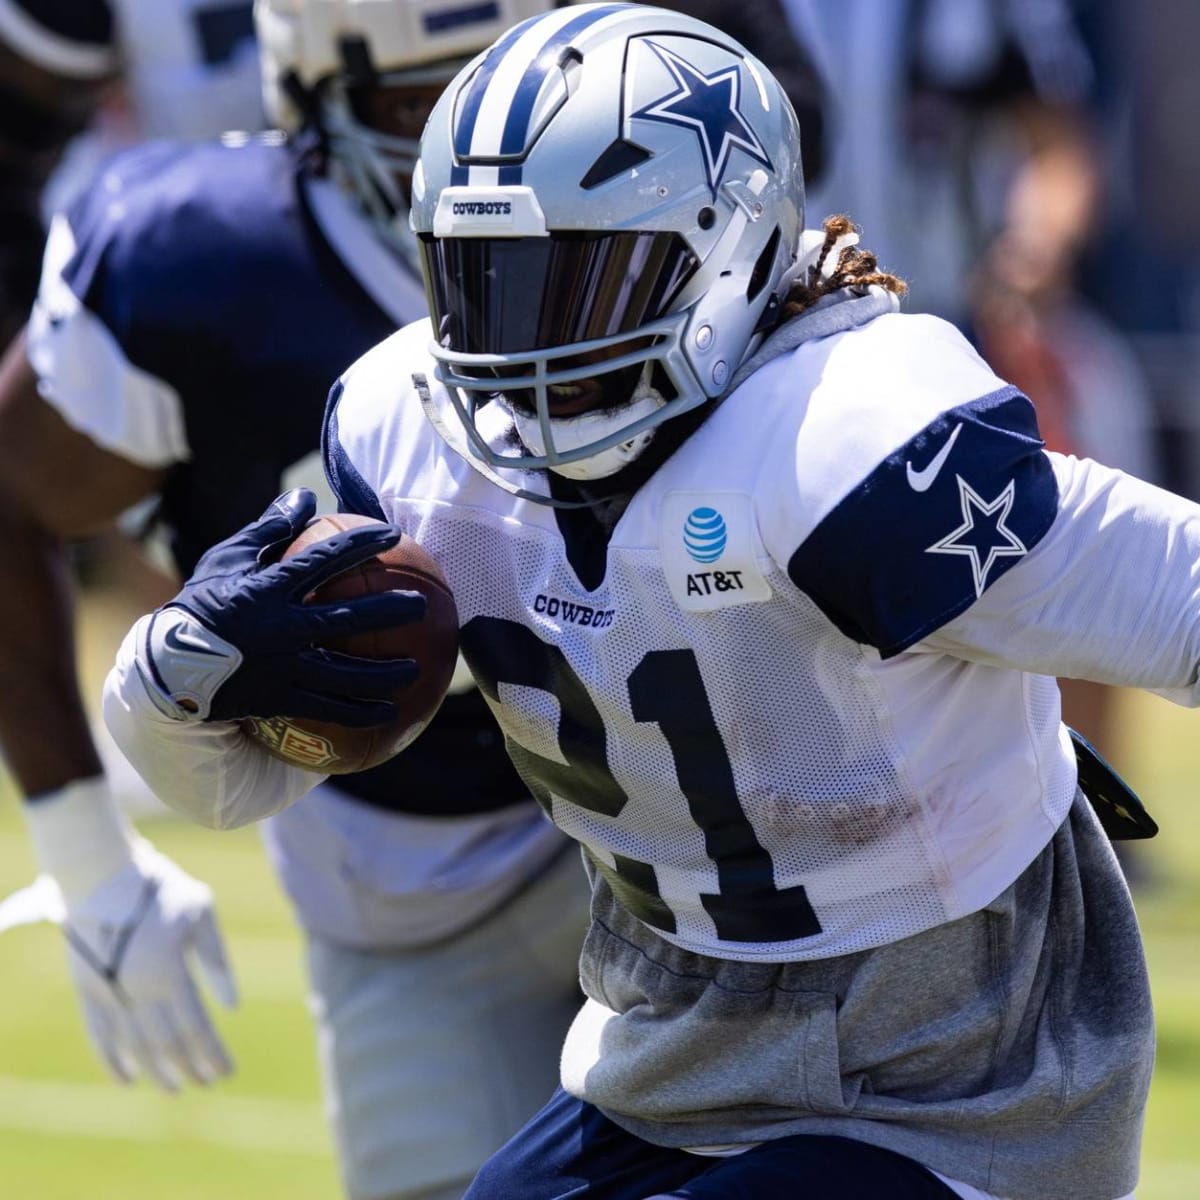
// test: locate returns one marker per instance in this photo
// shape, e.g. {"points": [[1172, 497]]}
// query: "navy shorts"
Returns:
{"points": [[571, 1150]]}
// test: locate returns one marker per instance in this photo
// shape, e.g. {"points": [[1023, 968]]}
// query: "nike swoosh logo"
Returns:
{"points": [[922, 480], [186, 644]]}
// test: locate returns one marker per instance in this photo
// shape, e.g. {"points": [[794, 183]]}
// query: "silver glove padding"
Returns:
{"points": [[183, 663]]}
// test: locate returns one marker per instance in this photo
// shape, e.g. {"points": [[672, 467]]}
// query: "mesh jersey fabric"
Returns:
{"points": [[752, 782]]}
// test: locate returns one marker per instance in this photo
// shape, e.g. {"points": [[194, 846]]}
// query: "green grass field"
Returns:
{"points": [[67, 1133]]}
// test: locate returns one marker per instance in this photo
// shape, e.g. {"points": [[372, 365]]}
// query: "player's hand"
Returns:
{"points": [[137, 928], [132, 946], [239, 640]]}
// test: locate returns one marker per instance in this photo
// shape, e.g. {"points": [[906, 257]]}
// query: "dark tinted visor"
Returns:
{"points": [[507, 295]]}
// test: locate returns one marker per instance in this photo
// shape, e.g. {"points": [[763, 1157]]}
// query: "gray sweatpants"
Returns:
{"points": [[432, 1057], [1011, 1049]]}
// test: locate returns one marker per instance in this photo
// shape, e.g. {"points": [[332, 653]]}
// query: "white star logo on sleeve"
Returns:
{"points": [[982, 537]]}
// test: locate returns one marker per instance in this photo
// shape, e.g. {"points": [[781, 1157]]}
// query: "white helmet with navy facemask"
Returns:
{"points": [[366, 72], [609, 203]]}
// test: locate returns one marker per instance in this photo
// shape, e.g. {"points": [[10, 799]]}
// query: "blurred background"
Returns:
{"points": [[1032, 168]]}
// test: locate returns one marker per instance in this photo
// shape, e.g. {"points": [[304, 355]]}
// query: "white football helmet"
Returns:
{"points": [[609, 204], [318, 57]]}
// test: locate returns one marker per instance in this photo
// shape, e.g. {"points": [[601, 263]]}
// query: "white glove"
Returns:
{"points": [[134, 923]]}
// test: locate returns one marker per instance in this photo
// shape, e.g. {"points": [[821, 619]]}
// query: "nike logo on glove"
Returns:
{"points": [[176, 639], [922, 480]]}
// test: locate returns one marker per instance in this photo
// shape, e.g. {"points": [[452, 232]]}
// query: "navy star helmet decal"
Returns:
{"points": [[910, 545], [708, 106]]}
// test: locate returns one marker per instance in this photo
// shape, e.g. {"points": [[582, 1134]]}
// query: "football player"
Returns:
{"points": [[766, 583], [194, 308]]}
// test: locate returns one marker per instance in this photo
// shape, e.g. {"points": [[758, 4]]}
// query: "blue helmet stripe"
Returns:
{"points": [[521, 109], [473, 102]]}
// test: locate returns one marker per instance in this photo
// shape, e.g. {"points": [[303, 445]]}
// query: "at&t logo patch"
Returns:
{"points": [[711, 550]]}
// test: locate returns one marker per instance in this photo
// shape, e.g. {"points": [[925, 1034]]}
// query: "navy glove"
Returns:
{"points": [[239, 641]]}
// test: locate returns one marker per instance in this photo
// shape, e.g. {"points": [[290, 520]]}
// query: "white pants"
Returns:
{"points": [[433, 1057]]}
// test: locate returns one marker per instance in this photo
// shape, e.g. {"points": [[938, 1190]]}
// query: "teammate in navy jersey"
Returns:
{"points": [[767, 585], [194, 307]]}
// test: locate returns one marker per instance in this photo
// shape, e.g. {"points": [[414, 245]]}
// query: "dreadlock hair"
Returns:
{"points": [[855, 268]]}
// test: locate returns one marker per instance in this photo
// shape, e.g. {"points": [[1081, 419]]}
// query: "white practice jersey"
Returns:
{"points": [[798, 714]]}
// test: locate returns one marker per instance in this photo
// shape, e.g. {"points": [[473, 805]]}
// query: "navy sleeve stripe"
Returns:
{"points": [[917, 541], [353, 494]]}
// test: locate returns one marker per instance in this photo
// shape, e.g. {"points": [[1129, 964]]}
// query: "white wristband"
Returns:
{"points": [[80, 838]]}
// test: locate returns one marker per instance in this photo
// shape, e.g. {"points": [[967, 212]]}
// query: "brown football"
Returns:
{"points": [[432, 642]]}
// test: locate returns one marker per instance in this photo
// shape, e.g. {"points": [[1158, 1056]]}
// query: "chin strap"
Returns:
{"points": [[576, 433], [449, 436]]}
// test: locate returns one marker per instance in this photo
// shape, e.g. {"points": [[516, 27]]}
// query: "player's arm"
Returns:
{"points": [[240, 640], [140, 1003], [943, 524], [1111, 593], [56, 485], [53, 68], [143, 1012]]}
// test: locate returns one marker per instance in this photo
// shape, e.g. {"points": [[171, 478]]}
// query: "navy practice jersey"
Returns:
{"points": [[204, 265], [192, 316]]}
